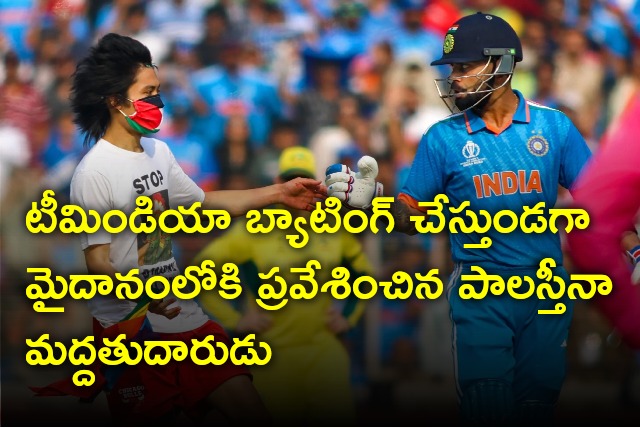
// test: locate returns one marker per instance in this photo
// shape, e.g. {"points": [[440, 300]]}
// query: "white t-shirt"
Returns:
{"points": [[108, 178]]}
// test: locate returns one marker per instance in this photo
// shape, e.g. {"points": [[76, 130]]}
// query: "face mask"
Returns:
{"points": [[148, 116]]}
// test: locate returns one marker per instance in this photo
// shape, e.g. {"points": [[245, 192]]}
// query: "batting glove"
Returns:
{"points": [[356, 189]]}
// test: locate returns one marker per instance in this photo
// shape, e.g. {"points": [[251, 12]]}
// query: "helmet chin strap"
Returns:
{"points": [[448, 95]]}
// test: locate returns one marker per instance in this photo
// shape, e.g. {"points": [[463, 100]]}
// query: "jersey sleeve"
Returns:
{"points": [[427, 177], [183, 191], [575, 154], [91, 190]]}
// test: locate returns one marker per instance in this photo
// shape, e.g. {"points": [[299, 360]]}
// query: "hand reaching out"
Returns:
{"points": [[300, 193]]}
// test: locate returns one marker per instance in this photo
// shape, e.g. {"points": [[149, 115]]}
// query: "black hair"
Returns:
{"points": [[284, 125], [136, 9], [217, 10], [545, 61], [11, 57], [108, 70]]}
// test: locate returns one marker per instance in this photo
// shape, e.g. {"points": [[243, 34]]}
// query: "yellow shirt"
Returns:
{"points": [[299, 322]]}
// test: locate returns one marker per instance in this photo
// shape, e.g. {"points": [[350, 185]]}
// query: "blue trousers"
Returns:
{"points": [[506, 355]]}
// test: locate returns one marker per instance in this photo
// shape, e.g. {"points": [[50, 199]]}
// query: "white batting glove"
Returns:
{"points": [[357, 190]]}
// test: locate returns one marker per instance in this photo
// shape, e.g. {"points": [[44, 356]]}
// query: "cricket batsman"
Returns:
{"points": [[499, 152]]}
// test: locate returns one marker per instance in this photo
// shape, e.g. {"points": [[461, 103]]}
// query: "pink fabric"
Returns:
{"points": [[609, 189]]}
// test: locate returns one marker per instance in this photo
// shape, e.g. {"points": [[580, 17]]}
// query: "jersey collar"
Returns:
{"points": [[475, 123]]}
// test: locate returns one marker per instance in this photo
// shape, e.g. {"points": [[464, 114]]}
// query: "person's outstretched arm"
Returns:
{"points": [[299, 194]]}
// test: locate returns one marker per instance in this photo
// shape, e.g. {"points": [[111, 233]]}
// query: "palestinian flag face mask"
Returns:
{"points": [[148, 116]]}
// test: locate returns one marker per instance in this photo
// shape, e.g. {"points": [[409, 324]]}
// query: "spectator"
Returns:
{"points": [[347, 36], [21, 105], [264, 167], [216, 28], [231, 90], [271, 30], [14, 154], [545, 77], [177, 20], [413, 40], [235, 154], [57, 93], [61, 154], [317, 106], [112, 16], [48, 49], [382, 22], [136, 25], [584, 94], [626, 88]]}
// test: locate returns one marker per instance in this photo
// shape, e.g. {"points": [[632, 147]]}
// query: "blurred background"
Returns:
{"points": [[244, 79]]}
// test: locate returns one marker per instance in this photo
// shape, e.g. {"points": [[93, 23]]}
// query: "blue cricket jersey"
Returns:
{"points": [[499, 169]]}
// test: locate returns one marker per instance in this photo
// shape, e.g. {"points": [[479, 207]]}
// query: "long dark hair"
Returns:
{"points": [[108, 70]]}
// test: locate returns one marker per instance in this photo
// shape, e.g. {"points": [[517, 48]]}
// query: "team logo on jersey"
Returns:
{"points": [[537, 145], [448, 43], [471, 151]]}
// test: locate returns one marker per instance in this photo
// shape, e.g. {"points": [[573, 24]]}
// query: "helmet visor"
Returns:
{"points": [[455, 100]]}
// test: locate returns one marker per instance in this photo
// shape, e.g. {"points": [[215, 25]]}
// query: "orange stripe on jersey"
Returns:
{"points": [[466, 121], [411, 202]]}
